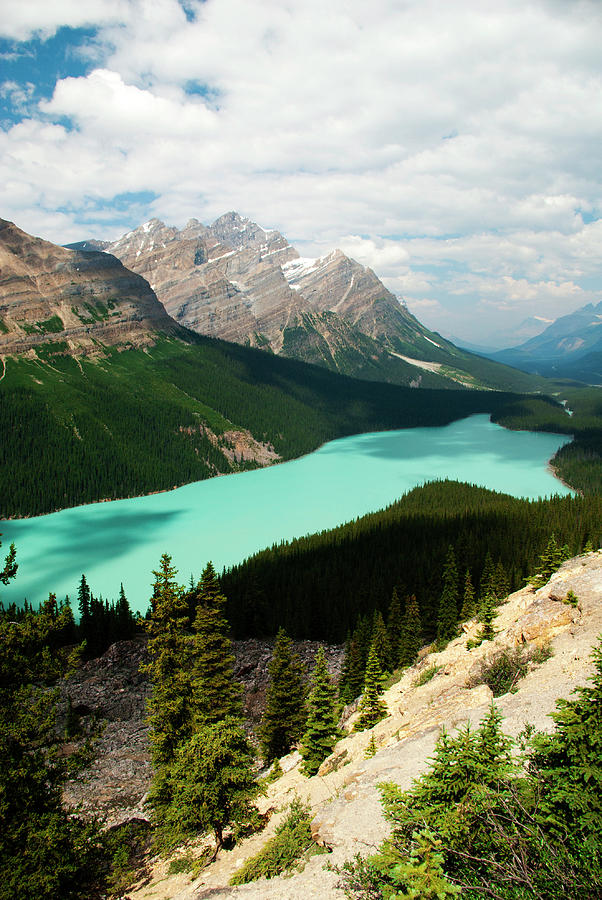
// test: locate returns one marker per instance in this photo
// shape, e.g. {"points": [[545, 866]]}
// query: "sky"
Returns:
{"points": [[453, 146]]}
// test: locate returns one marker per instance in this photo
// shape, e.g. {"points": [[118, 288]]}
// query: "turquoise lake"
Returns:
{"points": [[228, 518]]}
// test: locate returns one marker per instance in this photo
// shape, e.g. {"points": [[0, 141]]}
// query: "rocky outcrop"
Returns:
{"points": [[107, 698], [345, 798], [72, 301]]}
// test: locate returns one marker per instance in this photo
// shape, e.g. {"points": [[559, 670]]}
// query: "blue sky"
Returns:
{"points": [[452, 147]]}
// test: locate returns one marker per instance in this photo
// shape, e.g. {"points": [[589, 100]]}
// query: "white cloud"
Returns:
{"points": [[451, 147], [38, 18]]}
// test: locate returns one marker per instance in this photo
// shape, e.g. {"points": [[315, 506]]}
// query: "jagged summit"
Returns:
{"points": [[73, 300], [236, 280]]}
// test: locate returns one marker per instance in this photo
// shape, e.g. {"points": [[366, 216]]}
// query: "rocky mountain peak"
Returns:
{"points": [[71, 301]]}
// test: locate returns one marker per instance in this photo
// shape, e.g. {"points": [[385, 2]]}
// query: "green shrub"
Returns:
{"points": [[425, 676], [291, 842], [502, 672]]}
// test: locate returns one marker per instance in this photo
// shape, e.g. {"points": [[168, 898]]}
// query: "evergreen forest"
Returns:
{"points": [[133, 422], [320, 585]]}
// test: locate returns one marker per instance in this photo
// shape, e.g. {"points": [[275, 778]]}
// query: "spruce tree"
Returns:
{"points": [[412, 632], [501, 581], [395, 628], [567, 764], [169, 709], [354, 673], [125, 623], [321, 731], [550, 560], [469, 606], [447, 617], [213, 782], [214, 692], [487, 582], [344, 676], [283, 721], [380, 640], [83, 605], [372, 708]]}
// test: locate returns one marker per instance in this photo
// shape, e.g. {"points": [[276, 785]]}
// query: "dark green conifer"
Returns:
{"points": [[344, 676], [550, 560], [568, 764], [321, 731], [372, 708], [380, 641], [284, 717], [487, 613], [363, 636], [447, 617], [487, 583], [469, 606], [395, 628], [412, 632], [501, 581], [212, 782], [354, 673], [125, 623], [214, 692], [169, 709], [83, 605]]}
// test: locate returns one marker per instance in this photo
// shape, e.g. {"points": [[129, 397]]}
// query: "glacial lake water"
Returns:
{"points": [[226, 519]]}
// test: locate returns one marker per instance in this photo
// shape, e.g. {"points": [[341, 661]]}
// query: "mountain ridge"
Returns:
{"points": [[79, 301], [239, 282]]}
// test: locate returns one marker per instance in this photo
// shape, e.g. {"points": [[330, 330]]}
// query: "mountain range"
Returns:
{"points": [[104, 395], [237, 281], [569, 347]]}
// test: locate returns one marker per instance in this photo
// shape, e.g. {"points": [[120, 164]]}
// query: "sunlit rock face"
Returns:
{"points": [[78, 302], [240, 282]]}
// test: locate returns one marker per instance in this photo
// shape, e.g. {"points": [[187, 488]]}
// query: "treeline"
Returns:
{"points": [[75, 431], [320, 585], [101, 622]]}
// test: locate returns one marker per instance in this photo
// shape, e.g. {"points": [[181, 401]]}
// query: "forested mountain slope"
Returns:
{"points": [[127, 423]]}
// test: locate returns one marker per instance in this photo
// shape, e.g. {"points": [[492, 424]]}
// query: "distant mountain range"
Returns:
{"points": [[237, 281], [570, 347]]}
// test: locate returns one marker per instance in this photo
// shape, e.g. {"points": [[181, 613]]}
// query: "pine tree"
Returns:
{"points": [[214, 692], [354, 673], [447, 616], [469, 606], [213, 782], [487, 613], [372, 709], [321, 731], [83, 605], [567, 763], [501, 581], [395, 628], [283, 720], [487, 583], [344, 676], [412, 632], [380, 640], [169, 708], [363, 636], [125, 623], [550, 560]]}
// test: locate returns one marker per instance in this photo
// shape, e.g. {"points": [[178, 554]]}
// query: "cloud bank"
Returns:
{"points": [[451, 147]]}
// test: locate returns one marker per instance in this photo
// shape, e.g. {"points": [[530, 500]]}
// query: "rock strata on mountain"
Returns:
{"points": [[71, 301], [240, 282]]}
